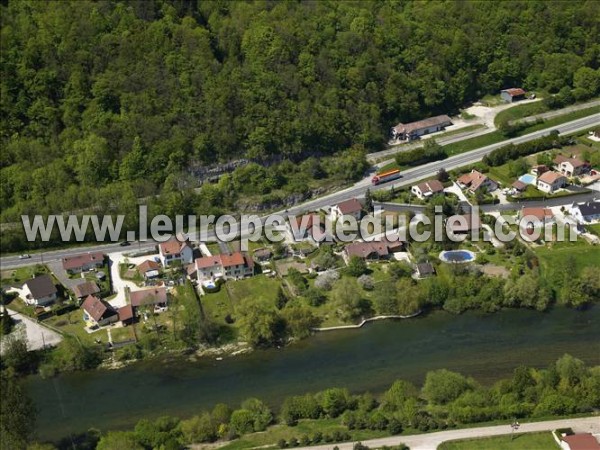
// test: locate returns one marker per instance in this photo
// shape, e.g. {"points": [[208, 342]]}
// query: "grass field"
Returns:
{"points": [[520, 111], [304, 427], [526, 441], [595, 228], [575, 255], [560, 120]]}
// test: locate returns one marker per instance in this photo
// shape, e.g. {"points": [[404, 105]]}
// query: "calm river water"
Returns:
{"points": [[486, 347]]}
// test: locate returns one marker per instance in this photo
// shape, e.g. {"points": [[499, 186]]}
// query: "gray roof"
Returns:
{"points": [[425, 269], [589, 208], [41, 286]]}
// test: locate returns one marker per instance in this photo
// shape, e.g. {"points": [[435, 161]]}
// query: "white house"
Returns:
{"points": [[588, 212], [39, 291], [551, 181], [570, 167], [427, 189], [413, 130], [237, 265], [475, 181], [83, 262], [175, 250], [351, 207]]}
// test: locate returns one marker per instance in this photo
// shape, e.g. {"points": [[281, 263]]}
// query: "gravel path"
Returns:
{"points": [[37, 335]]}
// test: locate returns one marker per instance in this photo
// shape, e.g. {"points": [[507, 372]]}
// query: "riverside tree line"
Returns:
{"points": [[445, 400]]}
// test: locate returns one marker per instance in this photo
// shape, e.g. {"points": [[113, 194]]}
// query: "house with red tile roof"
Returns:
{"points": [[97, 312], [308, 227], [462, 224], [571, 167], [475, 181], [154, 296], [148, 269], [234, 266], [82, 290], [83, 262], [544, 215], [176, 249], [550, 182], [427, 189], [351, 207]]}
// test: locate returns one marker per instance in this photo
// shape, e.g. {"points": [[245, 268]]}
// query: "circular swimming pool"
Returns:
{"points": [[457, 256]]}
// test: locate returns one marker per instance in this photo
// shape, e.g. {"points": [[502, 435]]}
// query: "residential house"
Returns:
{"points": [[39, 291], [512, 94], [475, 181], [427, 189], [177, 249], [309, 227], [571, 167], [126, 314], [148, 269], [83, 262], [97, 312], [550, 182], [235, 266], [588, 212], [349, 208], [424, 270], [371, 250], [374, 250], [539, 169], [518, 186], [544, 215], [579, 441], [263, 254], [413, 130], [463, 224], [85, 289], [156, 296]]}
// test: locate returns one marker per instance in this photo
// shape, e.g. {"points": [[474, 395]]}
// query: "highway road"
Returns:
{"points": [[409, 177], [431, 441]]}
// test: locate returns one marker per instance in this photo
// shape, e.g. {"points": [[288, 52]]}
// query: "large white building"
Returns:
{"points": [[550, 182], [410, 131]]}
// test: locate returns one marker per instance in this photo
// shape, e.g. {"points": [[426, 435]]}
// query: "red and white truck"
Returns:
{"points": [[383, 177]]}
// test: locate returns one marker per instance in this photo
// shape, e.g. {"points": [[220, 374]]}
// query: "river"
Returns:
{"points": [[486, 347]]}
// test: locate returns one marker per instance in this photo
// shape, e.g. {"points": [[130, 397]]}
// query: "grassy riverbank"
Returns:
{"points": [[524, 441]]}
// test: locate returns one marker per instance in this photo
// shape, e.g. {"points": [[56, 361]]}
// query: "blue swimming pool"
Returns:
{"points": [[457, 256], [527, 178]]}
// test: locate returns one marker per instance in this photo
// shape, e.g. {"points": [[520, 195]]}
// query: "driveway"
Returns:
{"points": [[38, 336], [119, 284], [431, 441], [61, 274]]}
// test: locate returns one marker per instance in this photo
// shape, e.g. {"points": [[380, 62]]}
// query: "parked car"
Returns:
{"points": [[125, 243], [24, 256]]}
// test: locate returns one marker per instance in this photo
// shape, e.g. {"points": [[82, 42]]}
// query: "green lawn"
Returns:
{"points": [[595, 229], [304, 427], [520, 111], [579, 254], [559, 120], [525, 441], [473, 143]]}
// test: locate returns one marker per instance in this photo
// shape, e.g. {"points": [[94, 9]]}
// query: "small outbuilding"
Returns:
{"points": [[512, 94]]}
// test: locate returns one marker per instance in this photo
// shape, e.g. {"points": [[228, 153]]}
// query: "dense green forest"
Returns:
{"points": [[107, 102]]}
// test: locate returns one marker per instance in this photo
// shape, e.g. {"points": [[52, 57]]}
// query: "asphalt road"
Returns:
{"points": [[430, 441], [409, 177]]}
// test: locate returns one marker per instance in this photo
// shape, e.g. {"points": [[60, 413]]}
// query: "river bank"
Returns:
{"points": [[486, 347]]}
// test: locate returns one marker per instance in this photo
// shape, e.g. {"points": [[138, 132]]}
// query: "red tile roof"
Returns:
{"points": [[147, 266], [148, 296], [519, 185], [365, 249], [434, 186], [125, 313], [539, 213], [86, 288], [513, 92], [456, 226], [582, 441], [95, 307], [172, 247], [78, 261], [550, 177], [235, 259], [349, 206]]}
